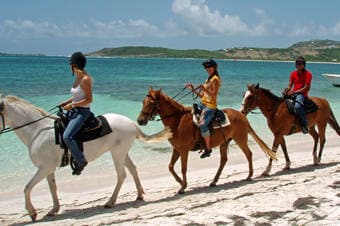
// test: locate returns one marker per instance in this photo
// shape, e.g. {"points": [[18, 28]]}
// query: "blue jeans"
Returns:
{"points": [[77, 118], [299, 108], [208, 116]]}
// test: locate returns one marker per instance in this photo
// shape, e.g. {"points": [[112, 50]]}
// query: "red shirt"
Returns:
{"points": [[300, 80]]}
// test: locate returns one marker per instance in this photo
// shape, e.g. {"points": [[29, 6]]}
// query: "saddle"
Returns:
{"points": [[308, 105], [219, 120], [93, 128]]}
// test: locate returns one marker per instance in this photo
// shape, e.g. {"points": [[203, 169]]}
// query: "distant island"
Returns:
{"points": [[19, 54], [314, 50]]}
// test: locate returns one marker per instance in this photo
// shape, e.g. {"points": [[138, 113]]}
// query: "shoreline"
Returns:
{"points": [[82, 197]]}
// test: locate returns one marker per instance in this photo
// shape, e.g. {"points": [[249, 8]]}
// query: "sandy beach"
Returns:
{"points": [[304, 195]]}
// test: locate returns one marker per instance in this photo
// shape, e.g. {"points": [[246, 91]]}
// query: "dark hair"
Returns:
{"points": [[78, 59], [209, 63], [300, 59]]}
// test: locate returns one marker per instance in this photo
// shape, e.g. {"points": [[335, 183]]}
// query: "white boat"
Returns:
{"points": [[333, 78]]}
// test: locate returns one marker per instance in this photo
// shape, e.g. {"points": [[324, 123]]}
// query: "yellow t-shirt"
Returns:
{"points": [[207, 100]]}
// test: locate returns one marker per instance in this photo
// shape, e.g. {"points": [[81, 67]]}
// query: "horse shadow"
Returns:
{"points": [[83, 213]]}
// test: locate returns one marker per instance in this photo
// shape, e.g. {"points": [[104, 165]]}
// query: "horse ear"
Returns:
{"points": [[150, 88], [257, 86]]}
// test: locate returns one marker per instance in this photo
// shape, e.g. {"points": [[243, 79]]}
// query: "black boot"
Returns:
{"points": [[305, 129], [79, 168], [206, 153]]}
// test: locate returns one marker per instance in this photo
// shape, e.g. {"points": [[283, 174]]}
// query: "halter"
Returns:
{"points": [[152, 114], [247, 109], [2, 116], [8, 129]]}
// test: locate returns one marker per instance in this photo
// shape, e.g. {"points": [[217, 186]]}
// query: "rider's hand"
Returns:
{"points": [[285, 92], [67, 107], [189, 86], [290, 92], [202, 87], [62, 104]]}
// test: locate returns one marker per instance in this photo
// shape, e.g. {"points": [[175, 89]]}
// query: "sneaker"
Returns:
{"points": [[206, 153], [79, 168], [305, 130]]}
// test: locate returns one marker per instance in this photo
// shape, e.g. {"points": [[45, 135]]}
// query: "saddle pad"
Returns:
{"points": [[95, 133], [214, 124], [226, 122], [309, 105]]}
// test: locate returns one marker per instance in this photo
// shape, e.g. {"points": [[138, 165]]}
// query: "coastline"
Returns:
{"points": [[306, 194]]}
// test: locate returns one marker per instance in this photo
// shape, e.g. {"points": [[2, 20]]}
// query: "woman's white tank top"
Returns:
{"points": [[78, 95]]}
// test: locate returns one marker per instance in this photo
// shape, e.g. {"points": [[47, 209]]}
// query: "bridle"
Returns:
{"points": [[8, 129], [248, 109], [150, 116], [2, 116]]}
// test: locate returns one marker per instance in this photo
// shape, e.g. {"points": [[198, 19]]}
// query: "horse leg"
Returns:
{"points": [[276, 143], [184, 162], [245, 148], [53, 189], [39, 175], [121, 174], [132, 169], [285, 152], [174, 158], [315, 136], [223, 161], [322, 130]]}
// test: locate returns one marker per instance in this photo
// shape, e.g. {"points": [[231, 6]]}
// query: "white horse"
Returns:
{"points": [[46, 155]]}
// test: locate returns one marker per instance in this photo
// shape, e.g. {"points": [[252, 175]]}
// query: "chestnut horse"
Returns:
{"points": [[282, 123], [186, 134]]}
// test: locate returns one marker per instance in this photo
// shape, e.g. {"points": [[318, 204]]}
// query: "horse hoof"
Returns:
{"points": [[181, 192], [107, 206], [286, 169], [212, 185], [248, 179], [51, 214], [34, 216], [265, 174], [140, 198]]}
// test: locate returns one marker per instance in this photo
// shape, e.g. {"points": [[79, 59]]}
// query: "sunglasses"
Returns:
{"points": [[208, 66], [299, 63]]}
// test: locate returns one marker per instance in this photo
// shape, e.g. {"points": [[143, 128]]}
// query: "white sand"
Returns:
{"points": [[305, 195]]}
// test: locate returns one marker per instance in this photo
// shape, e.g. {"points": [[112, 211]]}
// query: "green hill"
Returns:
{"points": [[314, 50], [143, 51]]}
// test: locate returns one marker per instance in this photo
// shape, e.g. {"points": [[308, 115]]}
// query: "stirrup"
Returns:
{"points": [[206, 153]]}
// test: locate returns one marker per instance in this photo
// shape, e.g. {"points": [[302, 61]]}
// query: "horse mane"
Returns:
{"points": [[271, 95], [175, 104], [17, 100]]}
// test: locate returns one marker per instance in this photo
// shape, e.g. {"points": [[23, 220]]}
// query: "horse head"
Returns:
{"points": [[150, 107], [250, 100], [2, 116]]}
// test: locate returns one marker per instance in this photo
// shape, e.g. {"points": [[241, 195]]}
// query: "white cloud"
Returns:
{"points": [[336, 29], [202, 20], [26, 29]]}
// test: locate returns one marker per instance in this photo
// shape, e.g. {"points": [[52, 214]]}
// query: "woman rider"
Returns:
{"points": [[78, 107], [208, 93]]}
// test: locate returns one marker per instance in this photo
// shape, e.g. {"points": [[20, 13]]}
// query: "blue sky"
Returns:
{"points": [[60, 27]]}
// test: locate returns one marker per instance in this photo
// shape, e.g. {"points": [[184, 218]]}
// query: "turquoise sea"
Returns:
{"points": [[120, 85]]}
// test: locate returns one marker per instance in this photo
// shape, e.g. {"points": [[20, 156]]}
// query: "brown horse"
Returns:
{"points": [[282, 123], [186, 134]]}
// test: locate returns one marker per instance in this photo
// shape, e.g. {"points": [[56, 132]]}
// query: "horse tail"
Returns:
{"points": [[157, 137], [262, 144], [333, 123]]}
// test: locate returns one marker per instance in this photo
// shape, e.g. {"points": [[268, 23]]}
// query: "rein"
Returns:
{"points": [[152, 113], [8, 129]]}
